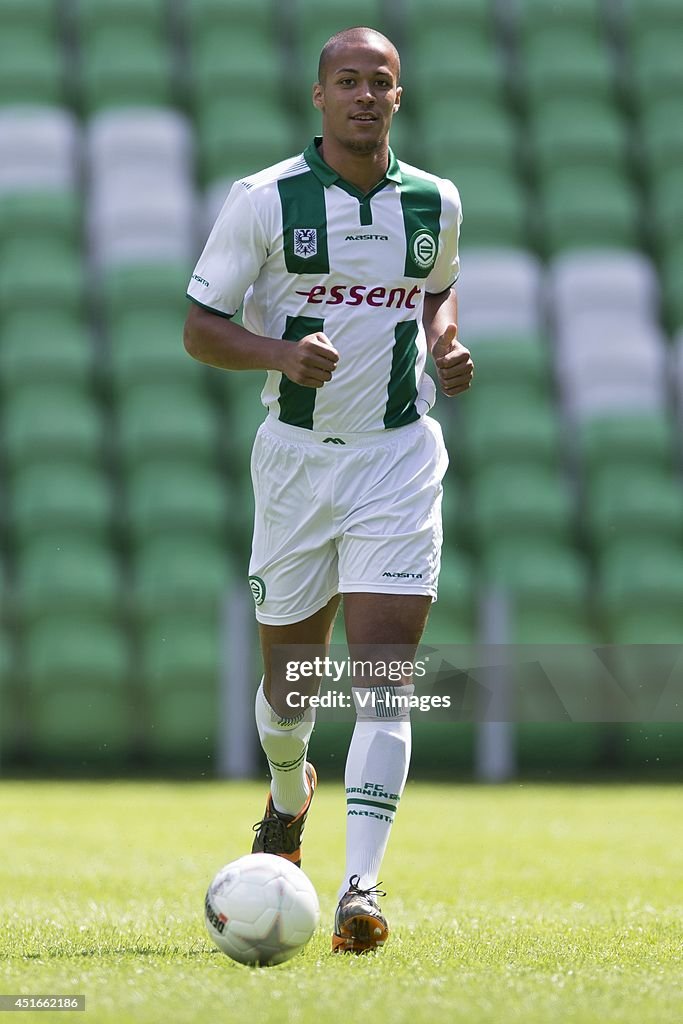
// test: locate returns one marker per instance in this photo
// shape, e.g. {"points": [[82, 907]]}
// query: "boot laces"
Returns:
{"points": [[370, 893], [274, 832]]}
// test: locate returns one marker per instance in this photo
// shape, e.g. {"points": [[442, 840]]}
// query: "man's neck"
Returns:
{"points": [[364, 170]]}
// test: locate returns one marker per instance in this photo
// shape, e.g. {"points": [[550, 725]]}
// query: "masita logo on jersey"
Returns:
{"points": [[357, 294]]}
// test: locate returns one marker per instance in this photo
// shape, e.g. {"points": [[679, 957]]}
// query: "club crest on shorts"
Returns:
{"points": [[258, 589], [305, 242]]}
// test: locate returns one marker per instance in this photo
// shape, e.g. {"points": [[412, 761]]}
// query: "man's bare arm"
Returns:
{"points": [[216, 340], [452, 360]]}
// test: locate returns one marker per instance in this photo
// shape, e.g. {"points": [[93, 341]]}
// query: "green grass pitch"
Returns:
{"points": [[508, 905]]}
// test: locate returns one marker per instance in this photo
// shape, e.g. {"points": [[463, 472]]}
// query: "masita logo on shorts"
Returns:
{"points": [[357, 294], [258, 589]]}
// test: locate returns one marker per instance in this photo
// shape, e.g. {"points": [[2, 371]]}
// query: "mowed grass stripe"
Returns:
{"points": [[514, 904]]}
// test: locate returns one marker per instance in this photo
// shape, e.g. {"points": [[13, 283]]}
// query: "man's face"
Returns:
{"points": [[358, 96]]}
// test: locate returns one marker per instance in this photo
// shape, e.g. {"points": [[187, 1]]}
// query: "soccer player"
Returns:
{"points": [[345, 258]]}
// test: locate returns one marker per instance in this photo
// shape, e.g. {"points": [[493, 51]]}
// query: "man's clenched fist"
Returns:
{"points": [[311, 362], [453, 363]]}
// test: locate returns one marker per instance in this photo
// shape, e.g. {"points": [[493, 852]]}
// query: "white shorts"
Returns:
{"points": [[360, 513]]}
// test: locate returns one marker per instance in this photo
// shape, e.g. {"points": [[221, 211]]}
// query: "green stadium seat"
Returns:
{"points": [[33, 267], [177, 497], [231, 146], [572, 133], [93, 16], [552, 626], [521, 501], [662, 135], [229, 62], [640, 14], [48, 422], [40, 17], [485, 133], [655, 70], [589, 208], [550, 72], [519, 363], [31, 68], [314, 23], [53, 216], [672, 275], [61, 498], [251, 18], [79, 705], [496, 432], [178, 572], [581, 17], [667, 204], [180, 650], [65, 573], [125, 67], [444, 66], [623, 507], [146, 347], [30, 353], [183, 723], [540, 576], [160, 287], [627, 440], [158, 422], [496, 206], [643, 576]]}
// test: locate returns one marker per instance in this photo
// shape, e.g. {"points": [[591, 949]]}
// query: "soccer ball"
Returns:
{"points": [[261, 909]]}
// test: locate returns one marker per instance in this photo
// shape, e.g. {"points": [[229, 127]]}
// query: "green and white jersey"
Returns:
{"points": [[309, 252]]}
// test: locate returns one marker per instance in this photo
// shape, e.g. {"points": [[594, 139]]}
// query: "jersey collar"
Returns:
{"points": [[328, 176]]}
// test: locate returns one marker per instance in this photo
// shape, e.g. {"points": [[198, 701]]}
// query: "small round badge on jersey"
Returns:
{"points": [[423, 248], [258, 589]]}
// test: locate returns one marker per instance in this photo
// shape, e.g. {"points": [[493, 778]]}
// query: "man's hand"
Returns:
{"points": [[311, 362], [453, 363]]}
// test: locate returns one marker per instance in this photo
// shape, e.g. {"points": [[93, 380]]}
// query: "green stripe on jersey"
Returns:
{"points": [[402, 390], [421, 205], [297, 402], [304, 224]]}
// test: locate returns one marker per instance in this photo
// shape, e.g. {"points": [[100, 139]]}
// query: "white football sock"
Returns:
{"points": [[285, 742], [376, 772]]}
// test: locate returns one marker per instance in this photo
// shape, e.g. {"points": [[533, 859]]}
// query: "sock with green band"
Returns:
{"points": [[285, 744]]}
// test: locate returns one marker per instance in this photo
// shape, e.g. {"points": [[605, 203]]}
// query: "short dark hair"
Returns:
{"points": [[349, 35]]}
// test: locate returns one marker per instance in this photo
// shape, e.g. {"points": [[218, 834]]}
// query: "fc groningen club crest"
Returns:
{"points": [[305, 242]]}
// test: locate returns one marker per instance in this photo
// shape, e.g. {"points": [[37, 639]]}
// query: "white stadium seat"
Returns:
{"points": [[144, 137], [611, 280], [39, 148], [499, 292]]}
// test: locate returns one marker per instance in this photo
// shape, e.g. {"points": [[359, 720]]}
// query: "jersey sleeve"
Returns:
{"points": [[233, 255], [446, 269]]}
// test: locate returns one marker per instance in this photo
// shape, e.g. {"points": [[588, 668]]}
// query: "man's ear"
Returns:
{"points": [[399, 93], [318, 96]]}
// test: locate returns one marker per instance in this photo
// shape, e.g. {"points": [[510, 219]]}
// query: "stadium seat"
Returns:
{"points": [[165, 422], [568, 134], [233, 61], [146, 347], [640, 14], [160, 286], [52, 215], [667, 201], [614, 355], [177, 497], [125, 67], [662, 135], [655, 71], [522, 501], [32, 354], [146, 139], [183, 723], [65, 573], [313, 24], [232, 146], [589, 207], [56, 274], [38, 148], [631, 505], [137, 220], [61, 498], [538, 576], [45, 422], [205, 18], [496, 203], [485, 133], [37, 16], [445, 63], [672, 275], [31, 67], [644, 575], [93, 16], [468, 16], [174, 573], [550, 69], [519, 362], [629, 440], [538, 16], [499, 292], [604, 280], [496, 433]]}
